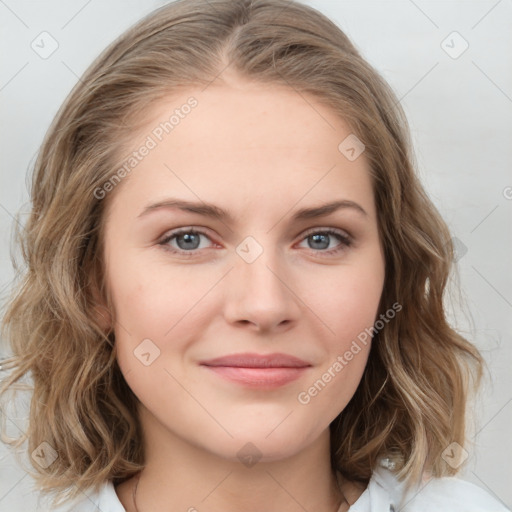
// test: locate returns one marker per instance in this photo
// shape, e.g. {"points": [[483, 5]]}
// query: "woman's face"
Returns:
{"points": [[267, 273]]}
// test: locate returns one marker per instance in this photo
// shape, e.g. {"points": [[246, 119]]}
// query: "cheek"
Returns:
{"points": [[347, 303], [347, 299], [149, 299], [154, 303]]}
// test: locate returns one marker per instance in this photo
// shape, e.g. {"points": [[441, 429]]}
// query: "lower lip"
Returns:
{"points": [[258, 377]]}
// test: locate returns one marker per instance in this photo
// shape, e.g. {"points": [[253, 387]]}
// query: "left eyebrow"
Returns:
{"points": [[211, 210], [328, 208]]}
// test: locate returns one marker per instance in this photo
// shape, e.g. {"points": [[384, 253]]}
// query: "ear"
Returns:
{"points": [[103, 318], [100, 311]]}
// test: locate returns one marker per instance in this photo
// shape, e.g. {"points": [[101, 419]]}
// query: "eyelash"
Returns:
{"points": [[345, 240]]}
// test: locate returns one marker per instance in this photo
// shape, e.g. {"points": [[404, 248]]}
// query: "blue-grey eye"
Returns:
{"points": [[190, 240]]}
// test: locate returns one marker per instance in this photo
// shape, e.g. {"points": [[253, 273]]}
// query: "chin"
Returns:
{"points": [[250, 443]]}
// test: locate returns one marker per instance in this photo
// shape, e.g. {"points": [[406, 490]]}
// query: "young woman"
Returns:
{"points": [[234, 281]]}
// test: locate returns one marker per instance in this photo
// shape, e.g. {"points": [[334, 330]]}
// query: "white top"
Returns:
{"points": [[383, 494]]}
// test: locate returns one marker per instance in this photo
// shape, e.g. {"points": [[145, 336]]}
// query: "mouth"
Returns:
{"points": [[264, 371]]}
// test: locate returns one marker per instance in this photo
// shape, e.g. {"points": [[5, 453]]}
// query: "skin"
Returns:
{"points": [[261, 152]]}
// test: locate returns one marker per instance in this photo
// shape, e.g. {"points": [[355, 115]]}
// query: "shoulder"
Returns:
{"points": [[103, 500], [448, 494]]}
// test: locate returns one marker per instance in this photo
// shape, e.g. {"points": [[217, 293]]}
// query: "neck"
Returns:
{"points": [[180, 476]]}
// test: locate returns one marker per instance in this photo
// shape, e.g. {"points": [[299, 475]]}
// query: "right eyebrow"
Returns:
{"points": [[201, 208]]}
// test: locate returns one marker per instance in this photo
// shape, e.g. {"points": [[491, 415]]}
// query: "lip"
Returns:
{"points": [[253, 360], [264, 371]]}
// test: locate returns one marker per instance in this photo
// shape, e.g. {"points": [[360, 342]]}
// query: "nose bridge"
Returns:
{"points": [[259, 288], [259, 266]]}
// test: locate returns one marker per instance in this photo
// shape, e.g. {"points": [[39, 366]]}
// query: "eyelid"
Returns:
{"points": [[338, 231], [346, 240], [205, 231], [169, 235], [345, 237]]}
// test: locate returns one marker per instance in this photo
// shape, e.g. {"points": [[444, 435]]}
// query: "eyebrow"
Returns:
{"points": [[213, 211]]}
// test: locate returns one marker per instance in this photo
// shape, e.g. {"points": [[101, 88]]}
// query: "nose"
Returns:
{"points": [[261, 294]]}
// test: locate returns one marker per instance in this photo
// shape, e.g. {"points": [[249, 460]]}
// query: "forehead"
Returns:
{"points": [[249, 114], [250, 143]]}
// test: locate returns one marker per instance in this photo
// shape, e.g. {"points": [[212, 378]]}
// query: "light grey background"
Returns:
{"points": [[460, 111]]}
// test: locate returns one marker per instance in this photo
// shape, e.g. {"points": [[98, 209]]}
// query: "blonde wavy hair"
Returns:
{"points": [[412, 399]]}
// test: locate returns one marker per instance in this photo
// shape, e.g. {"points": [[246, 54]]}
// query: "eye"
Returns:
{"points": [[322, 239], [187, 240]]}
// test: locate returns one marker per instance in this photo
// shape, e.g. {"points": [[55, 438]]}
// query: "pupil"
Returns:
{"points": [[189, 240], [318, 238]]}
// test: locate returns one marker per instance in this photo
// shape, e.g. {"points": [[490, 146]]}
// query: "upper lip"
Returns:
{"points": [[252, 360]]}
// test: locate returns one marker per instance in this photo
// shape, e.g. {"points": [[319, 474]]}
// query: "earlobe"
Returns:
{"points": [[100, 312], [102, 317]]}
